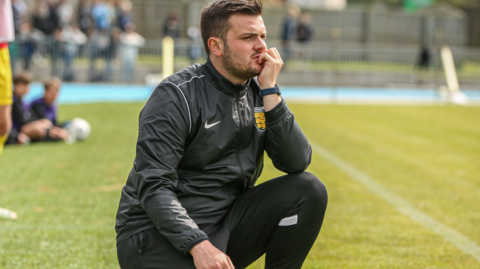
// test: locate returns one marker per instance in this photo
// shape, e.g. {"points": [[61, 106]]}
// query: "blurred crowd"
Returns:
{"points": [[53, 33], [58, 30]]}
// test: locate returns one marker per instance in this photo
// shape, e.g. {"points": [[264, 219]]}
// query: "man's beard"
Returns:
{"points": [[235, 68]]}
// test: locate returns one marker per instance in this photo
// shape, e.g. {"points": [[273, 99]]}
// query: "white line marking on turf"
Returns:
{"points": [[457, 239]]}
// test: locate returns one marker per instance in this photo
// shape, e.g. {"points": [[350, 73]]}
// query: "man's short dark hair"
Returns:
{"points": [[214, 20], [23, 77]]}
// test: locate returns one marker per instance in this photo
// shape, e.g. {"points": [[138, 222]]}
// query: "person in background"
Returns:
{"points": [[84, 18], [45, 107], [64, 12], [29, 38], [130, 41], [26, 126], [123, 15], [196, 50], [44, 18], [20, 11], [71, 38], [101, 45], [305, 28], [172, 26], [423, 62], [289, 30]]}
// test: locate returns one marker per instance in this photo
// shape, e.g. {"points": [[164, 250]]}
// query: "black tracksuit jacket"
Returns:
{"points": [[201, 143]]}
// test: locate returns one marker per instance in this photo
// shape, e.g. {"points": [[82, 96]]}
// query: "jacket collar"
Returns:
{"points": [[223, 84]]}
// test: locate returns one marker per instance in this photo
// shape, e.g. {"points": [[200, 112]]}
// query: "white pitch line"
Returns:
{"points": [[457, 239]]}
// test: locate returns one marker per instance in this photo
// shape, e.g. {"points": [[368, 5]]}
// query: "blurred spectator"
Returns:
{"points": [[172, 26], [84, 17], [101, 15], [196, 48], [20, 11], [305, 29], [72, 38], [111, 13], [55, 49], [101, 46], [101, 41], [44, 18], [122, 12], [424, 58], [64, 12], [289, 30], [130, 41], [29, 38]]}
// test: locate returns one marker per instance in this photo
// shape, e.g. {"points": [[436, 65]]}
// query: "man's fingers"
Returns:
{"points": [[279, 57], [274, 53], [265, 57]]}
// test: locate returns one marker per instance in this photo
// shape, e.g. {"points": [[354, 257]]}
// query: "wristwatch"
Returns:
{"points": [[267, 91]]}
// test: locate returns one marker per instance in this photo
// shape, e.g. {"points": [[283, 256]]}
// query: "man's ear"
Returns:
{"points": [[216, 46]]}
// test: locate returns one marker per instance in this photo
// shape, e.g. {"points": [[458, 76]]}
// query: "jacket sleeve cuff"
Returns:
{"points": [[277, 113], [193, 243]]}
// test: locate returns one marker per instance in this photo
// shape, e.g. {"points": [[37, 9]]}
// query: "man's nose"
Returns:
{"points": [[260, 45]]}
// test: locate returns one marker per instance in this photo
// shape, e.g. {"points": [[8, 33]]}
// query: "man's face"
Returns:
{"points": [[245, 41], [20, 89], [50, 94]]}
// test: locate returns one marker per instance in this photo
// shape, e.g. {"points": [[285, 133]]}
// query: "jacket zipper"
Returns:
{"points": [[240, 117]]}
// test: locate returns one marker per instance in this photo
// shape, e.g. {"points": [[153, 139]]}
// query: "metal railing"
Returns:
{"points": [[323, 64]]}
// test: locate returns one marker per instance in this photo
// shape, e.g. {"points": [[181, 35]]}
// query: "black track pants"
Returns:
{"points": [[281, 217]]}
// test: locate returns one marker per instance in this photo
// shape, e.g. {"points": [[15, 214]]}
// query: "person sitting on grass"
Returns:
{"points": [[26, 127], [45, 107]]}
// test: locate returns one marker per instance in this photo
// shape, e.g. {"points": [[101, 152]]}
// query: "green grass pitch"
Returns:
{"points": [[66, 196]]}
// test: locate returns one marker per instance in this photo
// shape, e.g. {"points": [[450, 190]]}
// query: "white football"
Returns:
{"points": [[81, 128]]}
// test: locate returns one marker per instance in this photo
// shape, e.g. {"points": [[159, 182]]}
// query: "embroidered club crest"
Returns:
{"points": [[260, 118]]}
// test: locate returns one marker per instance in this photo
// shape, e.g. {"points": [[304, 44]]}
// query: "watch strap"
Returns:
{"points": [[268, 91]]}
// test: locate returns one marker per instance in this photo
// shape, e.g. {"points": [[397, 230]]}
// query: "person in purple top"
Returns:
{"points": [[44, 107]]}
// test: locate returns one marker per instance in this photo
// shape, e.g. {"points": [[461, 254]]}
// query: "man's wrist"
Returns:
{"points": [[268, 91], [199, 244]]}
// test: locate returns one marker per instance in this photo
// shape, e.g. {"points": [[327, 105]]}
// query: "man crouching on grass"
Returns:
{"points": [[190, 200]]}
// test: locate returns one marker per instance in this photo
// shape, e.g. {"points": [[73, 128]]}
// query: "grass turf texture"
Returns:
{"points": [[67, 195]]}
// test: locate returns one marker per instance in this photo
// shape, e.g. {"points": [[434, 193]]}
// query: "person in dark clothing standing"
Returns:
{"points": [[305, 29], [190, 200], [172, 26], [44, 18], [289, 30]]}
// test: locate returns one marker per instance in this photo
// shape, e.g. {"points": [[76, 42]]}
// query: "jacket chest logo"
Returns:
{"points": [[259, 113]]}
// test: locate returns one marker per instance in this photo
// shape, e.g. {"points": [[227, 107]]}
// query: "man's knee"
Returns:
{"points": [[312, 188]]}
